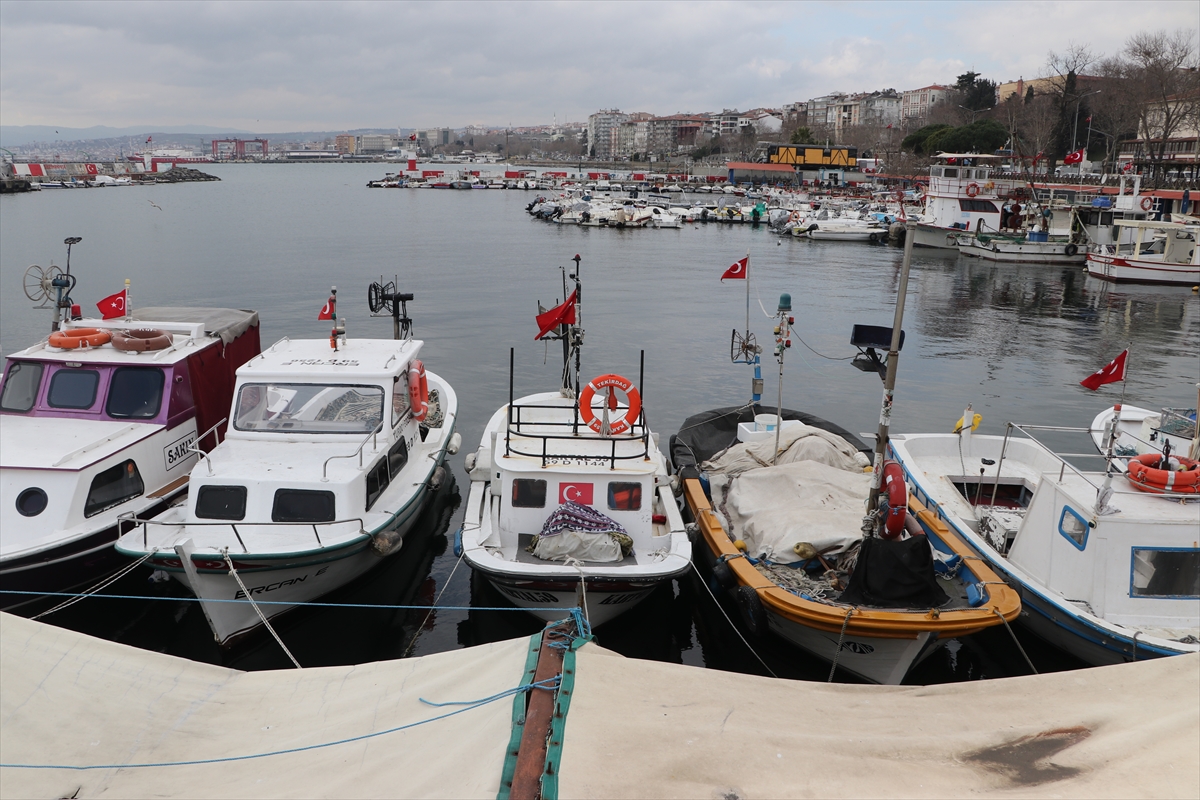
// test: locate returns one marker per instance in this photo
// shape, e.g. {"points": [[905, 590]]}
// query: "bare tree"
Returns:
{"points": [[1115, 111], [1163, 71]]}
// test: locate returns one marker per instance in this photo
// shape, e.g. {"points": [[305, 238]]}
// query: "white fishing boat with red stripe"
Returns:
{"points": [[334, 448], [571, 502], [1162, 252]]}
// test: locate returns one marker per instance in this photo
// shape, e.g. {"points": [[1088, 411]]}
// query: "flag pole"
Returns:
{"points": [[128, 310], [747, 293]]}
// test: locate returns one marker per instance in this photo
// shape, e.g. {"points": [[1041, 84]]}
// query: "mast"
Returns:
{"points": [[889, 384]]}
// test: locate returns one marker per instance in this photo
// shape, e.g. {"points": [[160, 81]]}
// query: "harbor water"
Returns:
{"points": [[1012, 341]]}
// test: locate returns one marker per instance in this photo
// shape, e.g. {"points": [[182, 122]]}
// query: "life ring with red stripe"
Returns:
{"points": [[73, 338], [972, 189], [1146, 473], [1147, 203], [897, 499], [620, 424], [418, 390]]}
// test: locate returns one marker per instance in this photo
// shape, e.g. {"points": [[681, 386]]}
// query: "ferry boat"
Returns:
{"points": [[102, 420], [962, 197], [571, 502], [333, 449], [1107, 567]]}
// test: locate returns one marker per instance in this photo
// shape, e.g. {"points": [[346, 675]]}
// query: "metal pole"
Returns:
{"points": [[889, 384]]}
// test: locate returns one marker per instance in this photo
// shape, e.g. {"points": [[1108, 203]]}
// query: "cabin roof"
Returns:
{"points": [[306, 360]]}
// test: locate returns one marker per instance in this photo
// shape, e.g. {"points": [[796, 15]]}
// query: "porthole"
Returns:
{"points": [[31, 502]]}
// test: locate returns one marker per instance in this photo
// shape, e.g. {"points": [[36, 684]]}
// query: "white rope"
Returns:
{"points": [[238, 578], [731, 625], [429, 613], [571, 561], [111, 579]]}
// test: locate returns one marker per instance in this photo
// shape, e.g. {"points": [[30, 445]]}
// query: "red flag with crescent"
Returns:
{"points": [[112, 306], [1074, 158], [1111, 372], [559, 315], [737, 270], [328, 310], [575, 493]]}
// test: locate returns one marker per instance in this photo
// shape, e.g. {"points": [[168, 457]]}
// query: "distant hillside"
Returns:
{"points": [[17, 135]]}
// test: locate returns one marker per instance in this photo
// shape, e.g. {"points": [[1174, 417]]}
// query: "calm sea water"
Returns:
{"points": [[1012, 340]]}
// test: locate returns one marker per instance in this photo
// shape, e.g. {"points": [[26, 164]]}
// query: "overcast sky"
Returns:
{"points": [[289, 66]]}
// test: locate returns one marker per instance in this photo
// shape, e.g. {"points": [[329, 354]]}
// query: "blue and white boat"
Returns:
{"points": [[1106, 571]]}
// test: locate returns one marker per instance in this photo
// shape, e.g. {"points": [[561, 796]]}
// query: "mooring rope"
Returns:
{"points": [[428, 614], [838, 653], [257, 610], [1015, 641], [111, 579], [727, 619]]}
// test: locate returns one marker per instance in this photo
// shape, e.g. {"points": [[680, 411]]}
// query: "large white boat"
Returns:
{"points": [[101, 420], [571, 502], [1162, 252], [1107, 568], [962, 196], [331, 454]]}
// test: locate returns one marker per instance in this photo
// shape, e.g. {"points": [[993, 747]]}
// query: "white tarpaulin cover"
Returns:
{"points": [[646, 729], [774, 508], [69, 699], [816, 494]]}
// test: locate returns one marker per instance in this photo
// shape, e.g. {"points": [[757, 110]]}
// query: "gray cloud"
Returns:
{"points": [[291, 66]]}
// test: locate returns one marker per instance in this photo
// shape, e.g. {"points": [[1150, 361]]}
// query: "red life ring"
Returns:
{"points": [[418, 390], [1145, 474], [615, 426], [72, 338], [1147, 203], [141, 339], [897, 499], [972, 189]]}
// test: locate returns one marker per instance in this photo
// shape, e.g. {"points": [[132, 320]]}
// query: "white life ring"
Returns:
{"points": [[1147, 203]]}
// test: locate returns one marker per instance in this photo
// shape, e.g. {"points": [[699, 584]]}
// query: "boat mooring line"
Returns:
{"points": [[1015, 641], [565, 609], [753, 652], [445, 586], [837, 654], [111, 579], [257, 610], [225, 759]]}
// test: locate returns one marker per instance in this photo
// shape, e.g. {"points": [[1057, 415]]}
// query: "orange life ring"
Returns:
{"points": [[603, 382], [1147, 203], [972, 189], [1145, 474], [897, 499], [73, 338], [418, 390], [141, 339]]}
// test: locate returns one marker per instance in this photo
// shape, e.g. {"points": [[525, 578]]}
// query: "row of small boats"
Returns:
{"points": [[264, 479]]}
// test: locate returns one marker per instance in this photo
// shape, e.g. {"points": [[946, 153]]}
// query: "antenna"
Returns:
{"points": [[384, 297]]}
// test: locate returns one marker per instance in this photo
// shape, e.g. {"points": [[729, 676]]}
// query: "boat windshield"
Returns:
{"points": [[308, 408]]}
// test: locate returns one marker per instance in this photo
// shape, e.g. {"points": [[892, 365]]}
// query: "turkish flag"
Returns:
{"points": [[112, 306], [559, 315], [575, 493], [738, 269], [412, 137], [1074, 158], [1111, 373], [329, 309]]}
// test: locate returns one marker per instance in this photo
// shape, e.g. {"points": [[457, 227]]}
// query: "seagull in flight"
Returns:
{"points": [[156, 205]]}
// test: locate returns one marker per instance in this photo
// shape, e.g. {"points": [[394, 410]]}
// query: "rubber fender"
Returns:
{"points": [[723, 575], [753, 613]]}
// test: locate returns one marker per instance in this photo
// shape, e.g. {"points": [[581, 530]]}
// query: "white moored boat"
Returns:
{"points": [[101, 420], [1107, 569], [330, 457], [1162, 252], [571, 502]]}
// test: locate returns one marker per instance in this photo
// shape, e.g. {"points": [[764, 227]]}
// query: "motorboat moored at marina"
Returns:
{"points": [[571, 502], [334, 447], [1162, 252]]}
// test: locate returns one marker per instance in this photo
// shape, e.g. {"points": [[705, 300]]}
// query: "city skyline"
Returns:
{"points": [[278, 67]]}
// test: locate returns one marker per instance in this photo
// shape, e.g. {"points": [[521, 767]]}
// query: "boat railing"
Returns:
{"points": [[232, 525], [571, 432], [373, 435]]}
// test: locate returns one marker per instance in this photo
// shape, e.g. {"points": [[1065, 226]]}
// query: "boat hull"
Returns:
{"points": [[935, 236], [601, 599], [1130, 270], [1023, 253]]}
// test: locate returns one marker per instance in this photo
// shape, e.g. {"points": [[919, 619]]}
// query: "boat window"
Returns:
{"points": [[73, 388], [302, 505], [377, 481], [112, 487], [308, 408], [1169, 572], [980, 206], [529, 493], [624, 496], [397, 457], [221, 502], [1073, 526], [21, 386], [950, 172], [135, 393], [400, 400]]}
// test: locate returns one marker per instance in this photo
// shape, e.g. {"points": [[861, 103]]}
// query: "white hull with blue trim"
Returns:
{"points": [[1106, 572], [325, 468]]}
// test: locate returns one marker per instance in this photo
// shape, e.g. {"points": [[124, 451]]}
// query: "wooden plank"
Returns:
{"points": [[531, 758], [170, 487]]}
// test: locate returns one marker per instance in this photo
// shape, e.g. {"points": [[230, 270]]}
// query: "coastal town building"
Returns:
{"points": [[603, 127], [915, 104], [346, 143]]}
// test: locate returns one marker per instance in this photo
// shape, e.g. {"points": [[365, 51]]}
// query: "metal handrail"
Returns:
{"points": [[514, 429], [132, 517], [195, 446], [373, 434]]}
